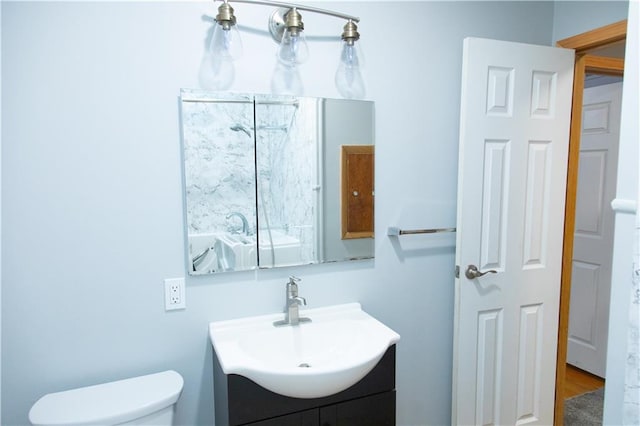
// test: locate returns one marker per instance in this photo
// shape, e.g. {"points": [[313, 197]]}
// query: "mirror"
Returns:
{"points": [[267, 182]]}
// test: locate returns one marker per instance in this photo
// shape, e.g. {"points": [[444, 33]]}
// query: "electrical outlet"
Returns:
{"points": [[174, 294]]}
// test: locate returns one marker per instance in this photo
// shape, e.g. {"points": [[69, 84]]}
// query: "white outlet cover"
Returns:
{"points": [[174, 294]]}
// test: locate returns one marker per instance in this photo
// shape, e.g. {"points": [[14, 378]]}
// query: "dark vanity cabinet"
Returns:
{"points": [[370, 402]]}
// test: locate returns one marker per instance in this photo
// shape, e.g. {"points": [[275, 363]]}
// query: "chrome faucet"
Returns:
{"points": [[292, 305], [245, 222]]}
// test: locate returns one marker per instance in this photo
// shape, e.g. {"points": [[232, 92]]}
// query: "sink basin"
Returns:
{"points": [[334, 351]]}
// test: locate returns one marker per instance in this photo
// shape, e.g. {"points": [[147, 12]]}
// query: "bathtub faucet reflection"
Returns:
{"points": [[245, 223]]}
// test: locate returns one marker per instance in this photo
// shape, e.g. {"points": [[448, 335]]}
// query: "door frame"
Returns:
{"points": [[585, 62]]}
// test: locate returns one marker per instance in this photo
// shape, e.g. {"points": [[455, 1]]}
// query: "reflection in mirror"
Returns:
{"points": [[288, 180], [357, 191], [262, 179], [219, 178]]}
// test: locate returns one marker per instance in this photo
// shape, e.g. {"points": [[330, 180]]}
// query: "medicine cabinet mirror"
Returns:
{"points": [[265, 183]]}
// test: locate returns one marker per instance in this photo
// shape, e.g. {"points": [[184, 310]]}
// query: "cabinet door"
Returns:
{"points": [[303, 418], [375, 410]]}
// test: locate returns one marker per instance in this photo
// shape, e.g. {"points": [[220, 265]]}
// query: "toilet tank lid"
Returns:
{"points": [[109, 403]]}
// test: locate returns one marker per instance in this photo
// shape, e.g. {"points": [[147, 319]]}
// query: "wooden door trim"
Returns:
{"points": [[569, 229], [603, 65], [599, 37], [584, 63]]}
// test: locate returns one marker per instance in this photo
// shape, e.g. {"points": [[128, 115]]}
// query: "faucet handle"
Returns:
{"points": [[292, 287], [294, 279]]}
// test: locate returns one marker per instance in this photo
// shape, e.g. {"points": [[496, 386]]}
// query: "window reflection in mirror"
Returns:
{"points": [[262, 179]]}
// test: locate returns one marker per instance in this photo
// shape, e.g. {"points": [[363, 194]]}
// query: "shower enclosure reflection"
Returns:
{"points": [[262, 179]]}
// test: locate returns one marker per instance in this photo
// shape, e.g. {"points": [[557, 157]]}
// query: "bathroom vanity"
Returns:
{"points": [[370, 402], [329, 366]]}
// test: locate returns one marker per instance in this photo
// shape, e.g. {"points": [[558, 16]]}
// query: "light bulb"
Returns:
{"points": [[293, 49], [348, 77], [216, 69], [226, 41]]}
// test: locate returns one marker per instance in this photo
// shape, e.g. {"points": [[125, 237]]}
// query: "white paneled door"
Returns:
{"points": [[514, 138], [593, 238]]}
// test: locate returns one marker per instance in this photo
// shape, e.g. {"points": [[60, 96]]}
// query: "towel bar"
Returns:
{"points": [[393, 231]]}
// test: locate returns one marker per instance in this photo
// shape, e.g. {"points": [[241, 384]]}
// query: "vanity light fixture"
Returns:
{"points": [[293, 49], [226, 37], [348, 77], [287, 28], [217, 70]]}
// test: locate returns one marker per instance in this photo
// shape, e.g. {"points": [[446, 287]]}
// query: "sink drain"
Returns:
{"points": [[304, 365]]}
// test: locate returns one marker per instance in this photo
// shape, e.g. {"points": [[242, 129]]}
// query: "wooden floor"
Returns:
{"points": [[577, 382]]}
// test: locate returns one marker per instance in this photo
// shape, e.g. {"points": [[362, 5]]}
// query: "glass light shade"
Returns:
{"points": [[286, 80], [217, 71], [293, 49], [348, 76], [226, 41]]}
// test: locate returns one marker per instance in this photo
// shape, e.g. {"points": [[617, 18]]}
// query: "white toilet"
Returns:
{"points": [[144, 400]]}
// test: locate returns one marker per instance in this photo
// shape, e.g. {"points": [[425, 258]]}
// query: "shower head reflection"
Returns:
{"points": [[240, 128]]}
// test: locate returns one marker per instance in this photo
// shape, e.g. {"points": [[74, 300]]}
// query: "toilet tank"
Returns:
{"points": [[137, 401]]}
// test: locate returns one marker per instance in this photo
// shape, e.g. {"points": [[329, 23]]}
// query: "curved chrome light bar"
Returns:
{"points": [[278, 19], [301, 7]]}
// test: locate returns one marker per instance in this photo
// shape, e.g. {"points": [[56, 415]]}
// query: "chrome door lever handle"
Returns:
{"points": [[473, 272]]}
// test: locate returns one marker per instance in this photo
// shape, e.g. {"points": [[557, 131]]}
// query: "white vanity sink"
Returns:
{"points": [[334, 351]]}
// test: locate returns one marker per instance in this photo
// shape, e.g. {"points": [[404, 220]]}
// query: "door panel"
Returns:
{"points": [[537, 204], [529, 358], [494, 202], [593, 238], [514, 133], [373, 410]]}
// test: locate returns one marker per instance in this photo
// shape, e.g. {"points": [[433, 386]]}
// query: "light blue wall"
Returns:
{"points": [[0, 221], [575, 17], [92, 205], [620, 377]]}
